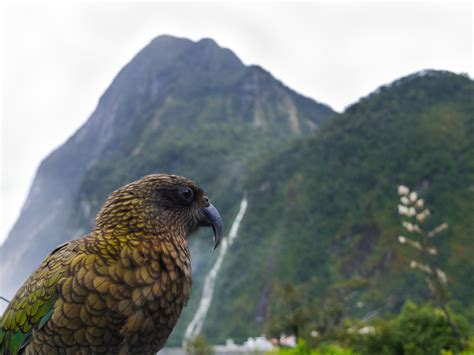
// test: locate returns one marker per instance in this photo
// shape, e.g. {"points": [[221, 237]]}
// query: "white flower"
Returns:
{"points": [[411, 212], [314, 333], [413, 196], [403, 190], [404, 200], [423, 215], [438, 230], [367, 329], [408, 226], [432, 251], [424, 268], [402, 210], [416, 245], [420, 203], [442, 276], [414, 264], [412, 243]]}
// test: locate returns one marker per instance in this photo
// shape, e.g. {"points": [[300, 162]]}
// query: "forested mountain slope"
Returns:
{"points": [[326, 207]]}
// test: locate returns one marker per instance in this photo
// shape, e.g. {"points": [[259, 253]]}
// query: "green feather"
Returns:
{"points": [[21, 316], [45, 318], [2, 337], [12, 341], [33, 305]]}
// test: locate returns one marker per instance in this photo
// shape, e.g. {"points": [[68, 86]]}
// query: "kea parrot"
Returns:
{"points": [[121, 288]]}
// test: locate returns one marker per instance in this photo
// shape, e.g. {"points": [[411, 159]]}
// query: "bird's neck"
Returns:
{"points": [[132, 251], [148, 237]]}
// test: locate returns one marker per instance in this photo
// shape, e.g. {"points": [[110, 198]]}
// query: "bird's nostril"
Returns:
{"points": [[206, 200]]}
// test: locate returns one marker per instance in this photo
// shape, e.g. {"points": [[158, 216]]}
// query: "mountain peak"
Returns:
{"points": [[207, 54], [437, 84], [426, 74], [173, 96], [207, 42], [164, 39]]}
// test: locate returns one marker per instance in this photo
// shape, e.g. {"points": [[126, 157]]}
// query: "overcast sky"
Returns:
{"points": [[56, 59]]}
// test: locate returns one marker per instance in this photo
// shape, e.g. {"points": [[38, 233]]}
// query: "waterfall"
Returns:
{"points": [[195, 326]]}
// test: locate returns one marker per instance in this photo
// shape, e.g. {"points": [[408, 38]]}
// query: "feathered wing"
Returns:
{"points": [[33, 305]]}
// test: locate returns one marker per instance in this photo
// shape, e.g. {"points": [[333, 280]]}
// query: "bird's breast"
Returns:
{"points": [[159, 289], [134, 299]]}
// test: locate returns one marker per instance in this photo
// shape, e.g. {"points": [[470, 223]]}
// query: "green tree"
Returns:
{"points": [[297, 311], [417, 330], [199, 346], [293, 311]]}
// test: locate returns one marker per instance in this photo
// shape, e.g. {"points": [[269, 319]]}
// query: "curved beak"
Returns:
{"points": [[215, 221]]}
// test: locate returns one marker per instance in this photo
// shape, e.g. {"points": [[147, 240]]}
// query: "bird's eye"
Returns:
{"points": [[186, 194]]}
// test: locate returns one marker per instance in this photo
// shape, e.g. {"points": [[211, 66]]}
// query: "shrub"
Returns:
{"points": [[416, 330], [199, 346]]}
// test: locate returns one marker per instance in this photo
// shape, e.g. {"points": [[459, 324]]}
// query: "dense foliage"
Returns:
{"points": [[302, 348], [325, 207], [198, 346], [415, 330]]}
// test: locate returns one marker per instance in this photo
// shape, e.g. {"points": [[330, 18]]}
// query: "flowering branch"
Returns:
{"points": [[413, 209]]}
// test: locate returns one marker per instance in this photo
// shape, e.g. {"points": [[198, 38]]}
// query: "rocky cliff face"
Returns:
{"points": [[191, 108]]}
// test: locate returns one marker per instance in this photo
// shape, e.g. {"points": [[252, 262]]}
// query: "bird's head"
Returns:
{"points": [[160, 203]]}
